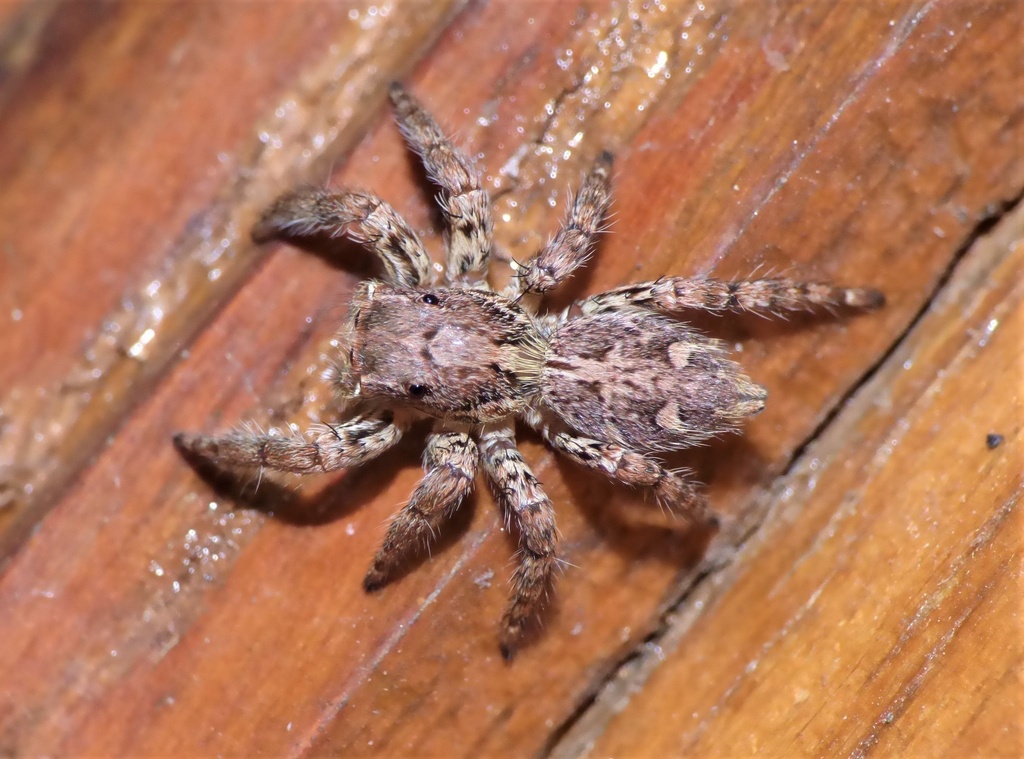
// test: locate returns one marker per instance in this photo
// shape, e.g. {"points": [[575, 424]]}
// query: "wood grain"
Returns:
{"points": [[90, 336], [875, 609], [148, 612]]}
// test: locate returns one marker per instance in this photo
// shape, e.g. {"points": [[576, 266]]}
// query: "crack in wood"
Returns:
{"points": [[611, 689]]}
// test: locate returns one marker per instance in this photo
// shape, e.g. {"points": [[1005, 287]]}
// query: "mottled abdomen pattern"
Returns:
{"points": [[609, 382], [644, 381]]}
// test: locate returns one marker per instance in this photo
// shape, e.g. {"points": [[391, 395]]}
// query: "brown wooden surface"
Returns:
{"points": [[863, 597]]}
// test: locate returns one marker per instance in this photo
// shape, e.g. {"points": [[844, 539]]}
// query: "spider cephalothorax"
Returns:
{"points": [[459, 354], [607, 382]]}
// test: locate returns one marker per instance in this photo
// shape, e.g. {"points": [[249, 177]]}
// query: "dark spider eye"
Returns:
{"points": [[430, 299], [417, 391]]}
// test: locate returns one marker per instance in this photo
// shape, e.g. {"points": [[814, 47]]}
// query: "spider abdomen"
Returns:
{"points": [[644, 381]]}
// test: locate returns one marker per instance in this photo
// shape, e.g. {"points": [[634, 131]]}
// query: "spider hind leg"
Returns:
{"points": [[670, 488], [672, 295]]}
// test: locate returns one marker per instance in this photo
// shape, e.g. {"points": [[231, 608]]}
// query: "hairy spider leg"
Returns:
{"points": [[670, 487], [571, 245], [362, 218], [525, 504], [674, 294], [328, 447], [465, 203], [450, 463]]}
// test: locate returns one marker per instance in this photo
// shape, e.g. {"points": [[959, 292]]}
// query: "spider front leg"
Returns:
{"points": [[670, 488], [450, 462], [674, 294], [466, 204], [524, 502], [328, 448], [570, 247], [363, 218]]}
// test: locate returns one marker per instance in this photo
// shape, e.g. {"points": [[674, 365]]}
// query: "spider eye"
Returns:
{"points": [[430, 299], [417, 391]]}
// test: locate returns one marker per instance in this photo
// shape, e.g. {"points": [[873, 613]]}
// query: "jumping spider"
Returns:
{"points": [[609, 382]]}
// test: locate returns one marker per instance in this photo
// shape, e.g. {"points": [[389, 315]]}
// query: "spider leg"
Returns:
{"points": [[363, 218], [465, 203], [450, 462], [674, 294], [328, 447], [524, 502], [670, 488], [571, 246]]}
